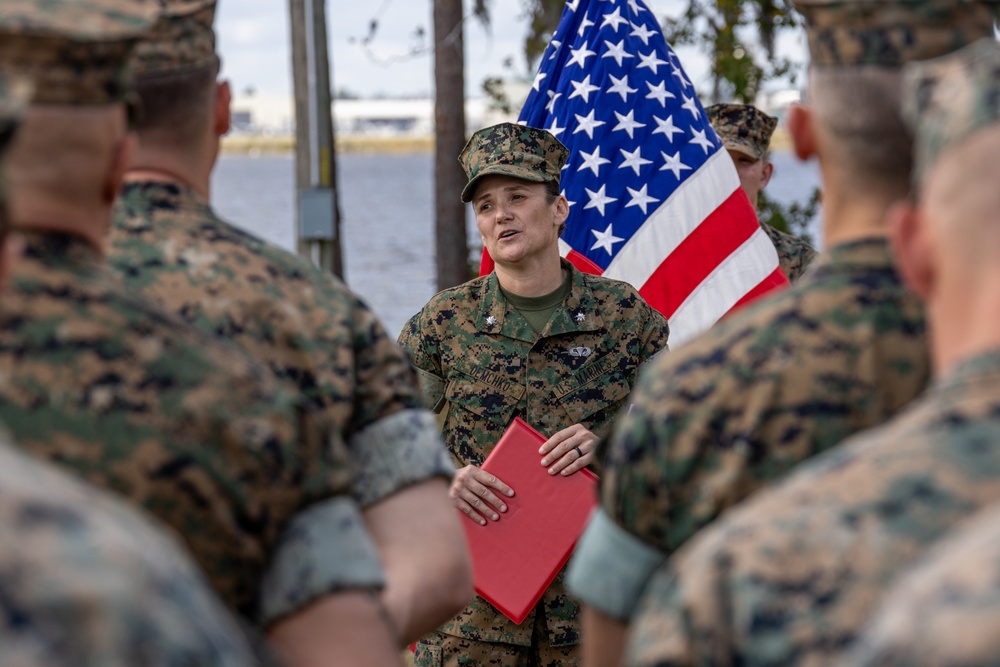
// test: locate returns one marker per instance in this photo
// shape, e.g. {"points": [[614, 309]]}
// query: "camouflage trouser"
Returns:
{"points": [[441, 650]]}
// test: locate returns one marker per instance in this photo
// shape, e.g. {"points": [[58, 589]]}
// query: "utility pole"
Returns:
{"points": [[451, 239], [318, 205]]}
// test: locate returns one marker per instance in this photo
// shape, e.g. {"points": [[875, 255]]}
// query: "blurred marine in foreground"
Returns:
{"points": [[305, 326], [134, 399], [86, 581], [792, 576]]}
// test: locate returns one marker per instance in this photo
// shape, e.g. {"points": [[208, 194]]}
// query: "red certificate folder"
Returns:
{"points": [[516, 558]]}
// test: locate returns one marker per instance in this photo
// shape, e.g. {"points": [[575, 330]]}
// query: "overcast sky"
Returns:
{"points": [[254, 43]]}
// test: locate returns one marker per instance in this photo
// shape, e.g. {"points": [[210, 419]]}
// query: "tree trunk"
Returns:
{"points": [[451, 240]]}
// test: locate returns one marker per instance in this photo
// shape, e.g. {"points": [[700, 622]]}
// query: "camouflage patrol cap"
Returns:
{"points": [[743, 128], [75, 52], [947, 99], [890, 33], [183, 39], [512, 150]]}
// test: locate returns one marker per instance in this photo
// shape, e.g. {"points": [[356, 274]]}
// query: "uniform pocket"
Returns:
{"points": [[495, 399], [427, 655]]}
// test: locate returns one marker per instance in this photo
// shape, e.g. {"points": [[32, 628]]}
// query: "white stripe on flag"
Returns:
{"points": [[668, 226], [739, 273]]}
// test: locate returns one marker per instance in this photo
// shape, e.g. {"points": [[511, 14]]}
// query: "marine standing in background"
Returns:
{"points": [[306, 326], [535, 339], [86, 581], [746, 133], [136, 400], [842, 350], [792, 576]]}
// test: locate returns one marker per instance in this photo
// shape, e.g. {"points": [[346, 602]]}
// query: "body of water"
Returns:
{"points": [[387, 210]]}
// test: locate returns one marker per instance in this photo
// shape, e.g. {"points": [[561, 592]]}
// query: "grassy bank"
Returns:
{"points": [[270, 145]]}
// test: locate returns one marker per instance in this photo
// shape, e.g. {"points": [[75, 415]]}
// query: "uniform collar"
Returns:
{"points": [[872, 252], [577, 313]]}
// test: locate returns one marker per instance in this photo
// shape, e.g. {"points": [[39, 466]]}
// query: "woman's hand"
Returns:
{"points": [[569, 450], [472, 492]]}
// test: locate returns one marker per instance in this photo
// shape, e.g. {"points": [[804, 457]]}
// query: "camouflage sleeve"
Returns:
{"points": [[396, 443], [86, 581], [324, 550], [398, 451], [659, 633], [945, 611], [610, 567], [657, 333], [414, 340]]}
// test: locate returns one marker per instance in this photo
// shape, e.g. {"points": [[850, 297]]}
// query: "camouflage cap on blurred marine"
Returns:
{"points": [[73, 51], [183, 39], [947, 99], [743, 128], [512, 150], [889, 33]]}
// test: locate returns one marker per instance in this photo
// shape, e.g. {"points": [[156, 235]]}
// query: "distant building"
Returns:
{"points": [[275, 115]]}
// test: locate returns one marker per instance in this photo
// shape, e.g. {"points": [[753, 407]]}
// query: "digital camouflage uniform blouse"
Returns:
{"points": [[481, 359], [794, 254], [133, 399], [88, 582], [840, 351], [306, 326], [792, 576], [946, 610]]}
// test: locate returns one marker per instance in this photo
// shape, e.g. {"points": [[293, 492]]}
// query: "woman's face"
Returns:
{"points": [[516, 218]]}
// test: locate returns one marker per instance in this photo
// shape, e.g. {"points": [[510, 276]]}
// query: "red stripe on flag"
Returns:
{"points": [[485, 263], [583, 264], [718, 236], [777, 280]]}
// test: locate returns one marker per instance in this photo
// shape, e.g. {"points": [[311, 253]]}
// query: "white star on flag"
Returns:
{"points": [[701, 140], [606, 239], [659, 93], [614, 20], [599, 200], [579, 56], [583, 89], [587, 123], [642, 32], [538, 80], [640, 198], [621, 87], [673, 163], [690, 104], [633, 160], [684, 233], [666, 127], [553, 96], [651, 61], [628, 123], [593, 161], [617, 51]]}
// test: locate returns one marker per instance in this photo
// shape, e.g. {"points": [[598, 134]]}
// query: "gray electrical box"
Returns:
{"points": [[316, 215]]}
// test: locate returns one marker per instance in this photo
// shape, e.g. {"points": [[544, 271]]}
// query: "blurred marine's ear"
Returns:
{"points": [[802, 131]]}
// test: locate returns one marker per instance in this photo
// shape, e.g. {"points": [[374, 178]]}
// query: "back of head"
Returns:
{"points": [[76, 55], [857, 48], [952, 104], [743, 128], [176, 66]]}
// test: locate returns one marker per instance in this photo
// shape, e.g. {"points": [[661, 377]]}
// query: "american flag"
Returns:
{"points": [[654, 198]]}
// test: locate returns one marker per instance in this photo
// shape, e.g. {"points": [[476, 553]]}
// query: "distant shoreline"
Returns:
{"points": [[276, 145], [273, 145]]}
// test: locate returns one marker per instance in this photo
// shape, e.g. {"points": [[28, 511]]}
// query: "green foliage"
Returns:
{"points": [[793, 219]]}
